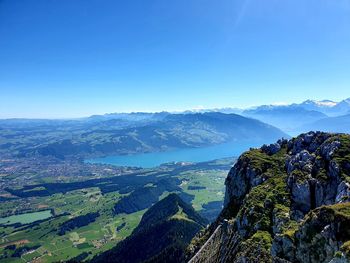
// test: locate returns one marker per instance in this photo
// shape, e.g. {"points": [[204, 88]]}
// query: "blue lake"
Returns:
{"points": [[149, 160]]}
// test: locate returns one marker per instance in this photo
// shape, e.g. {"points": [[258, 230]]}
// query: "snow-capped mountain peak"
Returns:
{"points": [[320, 103]]}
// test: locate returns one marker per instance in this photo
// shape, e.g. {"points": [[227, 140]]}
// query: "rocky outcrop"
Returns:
{"points": [[285, 202]]}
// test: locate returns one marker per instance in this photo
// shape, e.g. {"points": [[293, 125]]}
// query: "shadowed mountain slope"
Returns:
{"points": [[162, 235]]}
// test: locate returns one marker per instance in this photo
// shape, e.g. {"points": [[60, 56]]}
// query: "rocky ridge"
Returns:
{"points": [[285, 202]]}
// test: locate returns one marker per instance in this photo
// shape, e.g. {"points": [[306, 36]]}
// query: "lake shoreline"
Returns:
{"points": [[192, 155]]}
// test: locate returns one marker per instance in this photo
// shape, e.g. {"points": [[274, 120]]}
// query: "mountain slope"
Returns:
{"points": [[324, 106], [299, 117], [113, 136], [162, 235], [286, 118], [327, 107], [286, 202], [340, 108], [331, 124]]}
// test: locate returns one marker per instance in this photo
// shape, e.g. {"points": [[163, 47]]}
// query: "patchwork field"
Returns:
{"points": [[83, 222]]}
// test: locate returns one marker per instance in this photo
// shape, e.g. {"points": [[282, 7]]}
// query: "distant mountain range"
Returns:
{"points": [[296, 118], [308, 115], [293, 118], [330, 124], [327, 107], [287, 118], [129, 133]]}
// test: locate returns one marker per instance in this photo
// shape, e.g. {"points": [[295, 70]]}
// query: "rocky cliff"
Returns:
{"points": [[285, 202]]}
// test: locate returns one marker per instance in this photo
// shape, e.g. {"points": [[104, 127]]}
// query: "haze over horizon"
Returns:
{"points": [[194, 109], [66, 59]]}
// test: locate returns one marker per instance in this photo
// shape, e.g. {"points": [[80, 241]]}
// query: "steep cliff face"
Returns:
{"points": [[285, 202]]}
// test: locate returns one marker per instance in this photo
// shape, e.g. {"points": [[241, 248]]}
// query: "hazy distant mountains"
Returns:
{"points": [[328, 107], [129, 133], [293, 119], [287, 118], [126, 133], [308, 115], [296, 118], [330, 124], [171, 131]]}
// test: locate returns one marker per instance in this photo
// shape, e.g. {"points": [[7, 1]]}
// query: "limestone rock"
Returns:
{"points": [[286, 202]]}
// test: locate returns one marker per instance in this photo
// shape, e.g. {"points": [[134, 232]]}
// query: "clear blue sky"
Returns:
{"points": [[69, 58]]}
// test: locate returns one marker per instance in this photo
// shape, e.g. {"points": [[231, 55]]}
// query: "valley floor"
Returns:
{"points": [[25, 238]]}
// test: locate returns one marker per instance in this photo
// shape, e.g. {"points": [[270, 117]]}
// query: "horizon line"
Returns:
{"points": [[198, 109]]}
